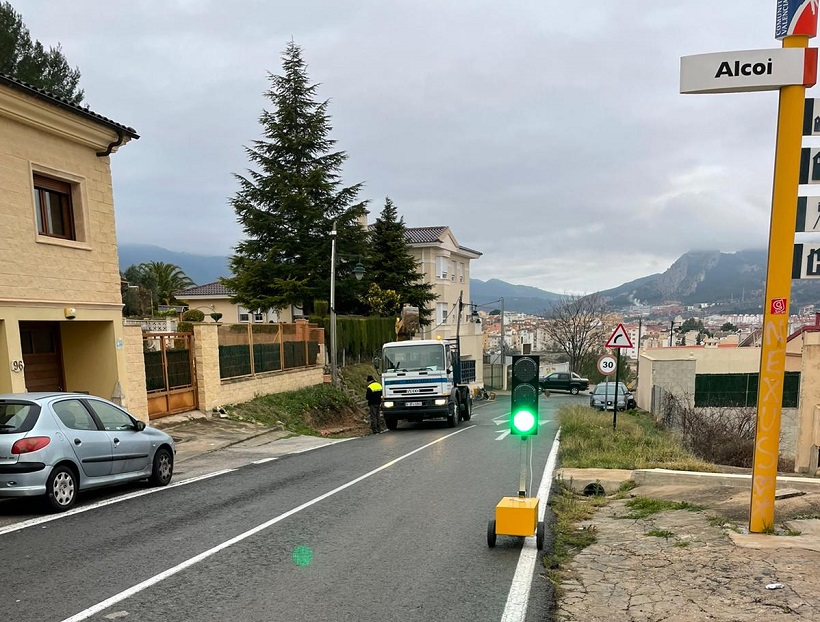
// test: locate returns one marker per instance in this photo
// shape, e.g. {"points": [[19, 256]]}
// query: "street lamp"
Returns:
{"points": [[358, 272]]}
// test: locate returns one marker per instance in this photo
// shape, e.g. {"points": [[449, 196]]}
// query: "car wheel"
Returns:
{"points": [[61, 488], [491, 536], [539, 535], [163, 467], [573, 390]]}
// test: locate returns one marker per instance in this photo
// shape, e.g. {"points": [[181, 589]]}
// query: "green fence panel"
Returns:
{"points": [[740, 389], [294, 354], [179, 368], [266, 357], [234, 361], [154, 373]]}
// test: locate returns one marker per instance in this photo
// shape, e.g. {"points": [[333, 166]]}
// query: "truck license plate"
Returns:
{"points": [[412, 404]]}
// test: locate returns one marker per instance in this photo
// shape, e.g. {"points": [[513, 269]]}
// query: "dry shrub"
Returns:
{"points": [[721, 435]]}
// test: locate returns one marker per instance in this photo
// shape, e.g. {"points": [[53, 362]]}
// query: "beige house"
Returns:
{"points": [[60, 306], [446, 265], [216, 298]]}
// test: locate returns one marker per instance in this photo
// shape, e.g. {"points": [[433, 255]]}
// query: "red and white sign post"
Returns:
{"points": [[617, 340]]}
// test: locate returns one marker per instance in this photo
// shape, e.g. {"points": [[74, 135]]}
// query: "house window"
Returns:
{"points": [[258, 317], [441, 313], [441, 267], [244, 316], [461, 272], [55, 212], [453, 271]]}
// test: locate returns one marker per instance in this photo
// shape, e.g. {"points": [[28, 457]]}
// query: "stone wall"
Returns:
{"points": [[136, 399], [214, 392]]}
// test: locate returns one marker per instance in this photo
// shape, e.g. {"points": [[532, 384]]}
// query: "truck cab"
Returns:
{"points": [[423, 380]]}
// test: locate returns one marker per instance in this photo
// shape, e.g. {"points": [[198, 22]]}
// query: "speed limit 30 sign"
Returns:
{"points": [[606, 365]]}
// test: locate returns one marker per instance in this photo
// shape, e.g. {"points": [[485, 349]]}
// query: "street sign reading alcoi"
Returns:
{"points": [[748, 70]]}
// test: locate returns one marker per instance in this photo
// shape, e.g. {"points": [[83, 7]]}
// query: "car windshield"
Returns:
{"points": [[428, 357], [608, 388], [16, 417]]}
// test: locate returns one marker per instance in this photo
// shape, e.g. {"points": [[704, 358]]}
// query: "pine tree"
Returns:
{"points": [[392, 267], [287, 206], [28, 61]]}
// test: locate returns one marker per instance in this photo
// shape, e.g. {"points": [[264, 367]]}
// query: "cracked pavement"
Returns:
{"points": [[694, 572]]}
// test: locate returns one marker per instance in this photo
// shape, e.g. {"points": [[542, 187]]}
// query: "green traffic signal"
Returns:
{"points": [[524, 394], [524, 423]]}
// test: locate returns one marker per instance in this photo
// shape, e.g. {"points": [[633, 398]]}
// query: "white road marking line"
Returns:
{"points": [[105, 604], [264, 460], [93, 506], [516, 608], [506, 433], [502, 419], [333, 442]]}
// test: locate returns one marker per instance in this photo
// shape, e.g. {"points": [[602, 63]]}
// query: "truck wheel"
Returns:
{"points": [[539, 535], [573, 390], [468, 410], [452, 417], [491, 534], [391, 422]]}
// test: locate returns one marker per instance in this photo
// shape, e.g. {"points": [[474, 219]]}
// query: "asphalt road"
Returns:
{"points": [[387, 527]]}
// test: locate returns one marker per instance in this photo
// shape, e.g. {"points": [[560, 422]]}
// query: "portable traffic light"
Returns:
{"points": [[524, 411]]}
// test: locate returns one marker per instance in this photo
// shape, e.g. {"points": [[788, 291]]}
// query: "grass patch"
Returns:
{"points": [[305, 411], [625, 488], [588, 441], [642, 507], [660, 533], [570, 509], [680, 544]]}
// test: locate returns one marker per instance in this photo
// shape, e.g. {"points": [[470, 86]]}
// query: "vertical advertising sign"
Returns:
{"points": [[795, 17]]}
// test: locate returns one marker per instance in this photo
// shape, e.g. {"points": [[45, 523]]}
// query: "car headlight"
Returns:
{"points": [[441, 402], [387, 404]]}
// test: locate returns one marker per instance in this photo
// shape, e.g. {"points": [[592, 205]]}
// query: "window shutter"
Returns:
{"points": [[47, 183]]}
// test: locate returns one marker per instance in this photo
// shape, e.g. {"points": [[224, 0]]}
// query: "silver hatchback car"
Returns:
{"points": [[58, 444]]}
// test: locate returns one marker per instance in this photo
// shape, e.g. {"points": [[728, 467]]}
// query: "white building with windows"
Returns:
{"points": [[445, 264]]}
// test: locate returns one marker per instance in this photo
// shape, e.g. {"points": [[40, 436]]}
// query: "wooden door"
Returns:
{"points": [[42, 356]]}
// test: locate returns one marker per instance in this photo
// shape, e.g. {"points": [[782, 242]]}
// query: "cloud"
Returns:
{"points": [[549, 136]]}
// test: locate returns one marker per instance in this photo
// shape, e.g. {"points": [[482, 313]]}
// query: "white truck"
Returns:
{"points": [[425, 379]]}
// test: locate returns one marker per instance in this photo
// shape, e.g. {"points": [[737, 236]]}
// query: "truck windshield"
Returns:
{"points": [[428, 357]]}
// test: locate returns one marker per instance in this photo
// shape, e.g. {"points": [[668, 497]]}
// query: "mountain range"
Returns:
{"points": [[733, 281]]}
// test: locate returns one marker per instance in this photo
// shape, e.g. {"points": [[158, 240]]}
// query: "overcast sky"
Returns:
{"points": [[549, 135]]}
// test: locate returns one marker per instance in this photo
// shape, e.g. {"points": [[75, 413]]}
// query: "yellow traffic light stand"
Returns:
{"points": [[518, 516]]}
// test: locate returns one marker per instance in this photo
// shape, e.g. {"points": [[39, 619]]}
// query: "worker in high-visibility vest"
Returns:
{"points": [[374, 402]]}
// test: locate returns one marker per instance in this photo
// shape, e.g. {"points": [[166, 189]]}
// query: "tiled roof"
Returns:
{"points": [[429, 235], [62, 103], [423, 235], [209, 289]]}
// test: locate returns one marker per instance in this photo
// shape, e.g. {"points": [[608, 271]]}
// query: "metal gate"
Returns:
{"points": [[170, 374]]}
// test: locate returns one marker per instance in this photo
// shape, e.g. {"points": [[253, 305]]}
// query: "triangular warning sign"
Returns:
{"points": [[619, 338]]}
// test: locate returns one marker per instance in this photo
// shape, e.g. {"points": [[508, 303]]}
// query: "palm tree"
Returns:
{"points": [[169, 278]]}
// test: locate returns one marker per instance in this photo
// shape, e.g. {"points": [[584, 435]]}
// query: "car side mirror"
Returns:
{"points": [[140, 426]]}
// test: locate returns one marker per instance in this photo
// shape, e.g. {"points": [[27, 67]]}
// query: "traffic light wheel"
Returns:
{"points": [[491, 535]]}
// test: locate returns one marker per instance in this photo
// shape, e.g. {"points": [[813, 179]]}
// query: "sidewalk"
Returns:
{"points": [[196, 433], [681, 565]]}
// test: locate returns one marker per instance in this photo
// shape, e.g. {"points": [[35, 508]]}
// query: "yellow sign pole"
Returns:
{"points": [[776, 309]]}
